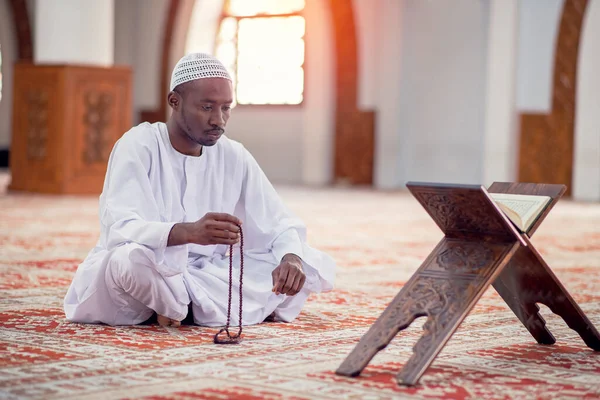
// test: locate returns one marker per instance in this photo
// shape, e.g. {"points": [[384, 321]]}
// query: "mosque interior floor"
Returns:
{"points": [[378, 239]]}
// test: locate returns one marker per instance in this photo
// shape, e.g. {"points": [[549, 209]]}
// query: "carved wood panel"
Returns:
{"points": [[461, 212], [98, 115], [37, 123], [102, 101], [67, 119], [547, 140], [33, 152], [528, 280], [444, 289]]}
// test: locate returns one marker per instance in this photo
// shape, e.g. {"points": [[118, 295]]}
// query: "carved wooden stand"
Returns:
{"points": [[481, 247]]}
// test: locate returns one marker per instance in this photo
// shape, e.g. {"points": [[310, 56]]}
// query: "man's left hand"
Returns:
{"points": [[288, 277]]}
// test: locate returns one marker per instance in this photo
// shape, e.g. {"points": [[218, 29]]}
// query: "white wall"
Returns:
{"points": [[126, 28], [9, 54], [380, 43], [538, 31], [423, 70], [74, 32], [151, 15], [274, 137], [317, 134], [126, 31], [501, 128], [586, 173], [139, 26], [442, 94], [203, 26]]}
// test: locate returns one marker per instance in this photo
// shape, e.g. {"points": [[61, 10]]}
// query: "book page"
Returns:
{"points": [[527, 207], [522, 207], [514, 217]]}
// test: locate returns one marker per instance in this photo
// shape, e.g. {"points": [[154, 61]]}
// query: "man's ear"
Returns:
{"points": [[174, 100]]}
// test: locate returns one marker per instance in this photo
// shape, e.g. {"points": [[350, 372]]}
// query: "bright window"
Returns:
{"points": [[261, 42]]}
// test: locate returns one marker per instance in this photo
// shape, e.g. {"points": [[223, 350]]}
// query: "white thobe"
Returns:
{"points": [[149, 187]]}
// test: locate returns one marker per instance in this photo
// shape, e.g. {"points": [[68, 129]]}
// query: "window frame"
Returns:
{"points": [[224, 15]]}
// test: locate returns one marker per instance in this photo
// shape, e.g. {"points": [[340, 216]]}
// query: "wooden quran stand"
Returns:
{"points": [[481, 247]]}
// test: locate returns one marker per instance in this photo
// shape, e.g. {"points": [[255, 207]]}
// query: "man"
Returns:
{"points": [[174, 198]]}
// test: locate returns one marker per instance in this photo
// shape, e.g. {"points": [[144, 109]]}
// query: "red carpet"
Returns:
{"points": [[378, 240]]}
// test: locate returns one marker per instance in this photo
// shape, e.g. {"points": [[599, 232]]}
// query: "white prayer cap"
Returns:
{"points": [[197, 66]]}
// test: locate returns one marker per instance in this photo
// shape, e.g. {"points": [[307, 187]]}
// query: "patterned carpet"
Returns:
{"points": [[378, 240]]}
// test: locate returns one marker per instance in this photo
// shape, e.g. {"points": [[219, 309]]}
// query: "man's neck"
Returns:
{"points": [[181, 142]]}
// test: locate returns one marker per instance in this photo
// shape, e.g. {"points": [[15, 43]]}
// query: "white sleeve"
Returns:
{"points": [[287, 243], [128, 209], [270, 226], [267, 223]]}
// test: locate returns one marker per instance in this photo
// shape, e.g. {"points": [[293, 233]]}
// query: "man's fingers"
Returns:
{"points": [[281, 280], [280, 283], [219, 240], [224, 234], [223, 226], [275, 275], [223, 237], [294, 282], [297, 285], [226, 218], [288, 280]]}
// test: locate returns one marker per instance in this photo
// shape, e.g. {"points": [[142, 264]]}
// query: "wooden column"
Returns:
{"points": [[66, 120]]}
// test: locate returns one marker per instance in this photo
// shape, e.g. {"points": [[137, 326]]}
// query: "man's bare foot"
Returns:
{"points": [[165, 321], [271, 318]]}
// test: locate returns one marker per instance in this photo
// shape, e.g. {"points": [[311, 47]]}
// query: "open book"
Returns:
{"points": [[521, 209]]}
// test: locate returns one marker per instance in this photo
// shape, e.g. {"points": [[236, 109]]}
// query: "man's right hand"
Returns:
{"points": [[213, 228]]}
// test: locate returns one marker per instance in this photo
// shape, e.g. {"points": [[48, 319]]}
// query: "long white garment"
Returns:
{"points": [[149, 187]]}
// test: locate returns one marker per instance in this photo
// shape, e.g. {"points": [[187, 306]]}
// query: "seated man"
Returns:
{"points": [[174, 197]]}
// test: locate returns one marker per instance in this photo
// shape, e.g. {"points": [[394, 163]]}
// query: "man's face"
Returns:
{"points": [[205, 108]]}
